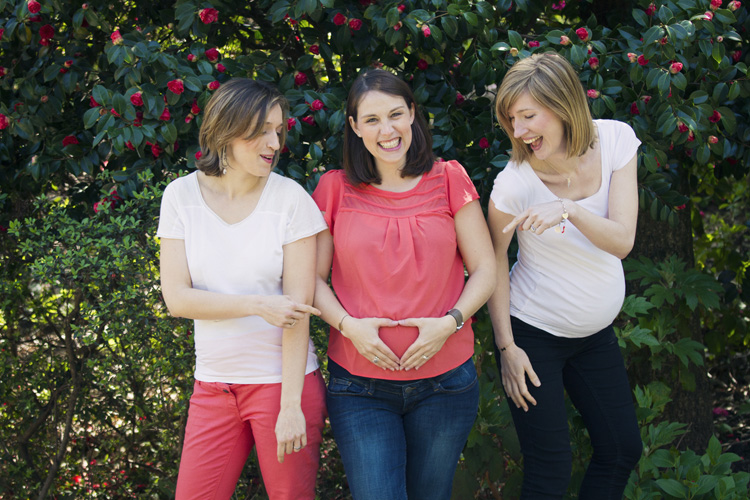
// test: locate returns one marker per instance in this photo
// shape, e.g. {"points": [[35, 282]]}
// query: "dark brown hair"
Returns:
{"points": [[359, 164], [238, 109]]}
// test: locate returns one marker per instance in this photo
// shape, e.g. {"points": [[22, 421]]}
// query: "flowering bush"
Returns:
{"points": [[126, 110]]}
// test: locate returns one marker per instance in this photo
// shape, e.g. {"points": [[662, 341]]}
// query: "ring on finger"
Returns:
{"points": [[297, 448], [425, 356], [375, 360], [533, 229]]}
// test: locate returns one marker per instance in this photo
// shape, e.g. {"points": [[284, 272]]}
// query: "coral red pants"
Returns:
{"points": [[225, 421]]}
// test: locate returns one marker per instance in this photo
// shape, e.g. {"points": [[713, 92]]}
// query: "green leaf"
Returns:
{"points": [[90, 117], [471, 18], [169, 132], [450, 26], [672, 487], [515, 39]]}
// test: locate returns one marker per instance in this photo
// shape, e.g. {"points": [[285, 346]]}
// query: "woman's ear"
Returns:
{"points": [[353, 125]]}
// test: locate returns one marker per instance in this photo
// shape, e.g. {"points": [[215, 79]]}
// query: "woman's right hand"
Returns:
{"points": [[364, 334], [515, 365], [282, 311]]}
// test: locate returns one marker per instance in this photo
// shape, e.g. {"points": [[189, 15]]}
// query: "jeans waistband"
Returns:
{"points": [[336, 370]]}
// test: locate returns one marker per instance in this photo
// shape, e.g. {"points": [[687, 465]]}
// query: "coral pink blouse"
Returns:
{"points": [[396, 256]]}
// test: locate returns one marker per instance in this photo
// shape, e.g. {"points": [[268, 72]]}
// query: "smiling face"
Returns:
{"points": [[538, 127], [255, 156], [384, 124]]}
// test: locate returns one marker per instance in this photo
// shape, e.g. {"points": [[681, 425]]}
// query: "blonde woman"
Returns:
{"points": [[238, 257], [569, 193]]}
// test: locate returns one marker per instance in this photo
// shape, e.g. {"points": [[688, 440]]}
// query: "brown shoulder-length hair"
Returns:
{"points": [[553, 83], [238, 109], [359, 164]]}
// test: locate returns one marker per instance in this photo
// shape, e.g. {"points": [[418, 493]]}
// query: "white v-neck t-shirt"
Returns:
{"points": [[241, 258], [561, 282]]}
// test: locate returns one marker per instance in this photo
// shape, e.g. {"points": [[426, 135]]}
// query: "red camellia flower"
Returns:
{"points": [[136, 99], [213, 54], [533, 43], [112, 110], [422, 64], [130, 146], [300, 79], [291, 122], [4, 123], [642, 60], [47, 31], [2, 32], [558, 6], [397, 27], [156, 150], [33, 6], [176, 87], [116, 37], [691, 136], [484, 143], [651, 10], [715, 4], [189, 117], [314, 49], [734, 5], [564, 40], [138, 119], [402, 8], [675, 68], [634, 109], [165, 115], [426, 30], [355, 24], [682, 127], [593, 93], [309, 120], [714, 118], [646, 98], [712, 139], [198, 155], [220, 68], [594, 62], [316, 105], [191, 57], [459, 99], [736, 56], [708, 15], [209, 15], [194, 108], [68, 63], [69, 139], [3, 71], [213, 85], [339, 19], [93, 103], [583, 34]]}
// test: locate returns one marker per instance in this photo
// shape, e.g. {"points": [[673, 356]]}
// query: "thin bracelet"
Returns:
{"points": [[341, 322], [502, 349], [564, 217]]}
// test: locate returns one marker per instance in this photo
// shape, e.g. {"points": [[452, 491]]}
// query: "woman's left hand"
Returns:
{"points": [[538, 218], [291, 432], [433, 332]]}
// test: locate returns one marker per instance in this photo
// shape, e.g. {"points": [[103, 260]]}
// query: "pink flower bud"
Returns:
{"points": [[355, 24], [397, 26], [316, 105], [651, 10], [401, 8], [632, 57], [558, 6], [176, 87], [593, 93], [339, 19], [564, 40], [459, 99], [198, 154], [715, 4], [314, 49], [290, 123], [682, 127], [300, 79], [309, 120], [4, 123], [213, 54], [191, 58], [165, 115], [44, 98], [533, 43], [708, 15], [634, 109], [422, 64], [675, 68], [642, 60], [209, 15], [136, 99], [33, 6], [116, 37], [583, 34], [712, 139], [426, 30], [220, 68], [69, 139], [734, 5], [213, 85], [189, 117], [594, 62], [715, 117], [3, 71]]}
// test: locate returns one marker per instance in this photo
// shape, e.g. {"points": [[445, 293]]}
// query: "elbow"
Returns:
{"points": [[624, 250], [173, 307]]}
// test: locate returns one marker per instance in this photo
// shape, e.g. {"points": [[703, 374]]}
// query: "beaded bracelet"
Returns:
{"points": [[563, 219]]}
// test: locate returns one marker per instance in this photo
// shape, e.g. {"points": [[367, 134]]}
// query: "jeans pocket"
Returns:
{"points": [[460, 380], [345, 387]]}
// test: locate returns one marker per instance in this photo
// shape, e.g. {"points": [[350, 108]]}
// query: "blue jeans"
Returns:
{"points": [[592, 372], [402, 439]]}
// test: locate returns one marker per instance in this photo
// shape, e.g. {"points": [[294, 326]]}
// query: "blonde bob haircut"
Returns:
{"points": [[553, 83], [239, 108]]}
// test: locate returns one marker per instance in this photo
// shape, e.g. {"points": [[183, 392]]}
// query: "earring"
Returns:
{"points": [[224, 162]]}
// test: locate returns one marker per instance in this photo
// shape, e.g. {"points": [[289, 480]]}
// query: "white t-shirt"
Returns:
{"points": [[241, 258], [561, 282]]}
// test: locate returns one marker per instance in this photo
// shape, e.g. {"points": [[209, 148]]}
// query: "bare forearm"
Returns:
{"points": [[499, 305], [193, 303], [294, 346], [330, 308], [606, 234]]}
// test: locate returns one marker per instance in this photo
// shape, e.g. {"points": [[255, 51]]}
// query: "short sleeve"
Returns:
{"points": [[508, 193], [461, 190], [171, 225], [625, 144], [328, 194], [305, 219]]}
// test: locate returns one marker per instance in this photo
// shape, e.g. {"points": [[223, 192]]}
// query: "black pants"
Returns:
{"points": [[592, 371]]}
